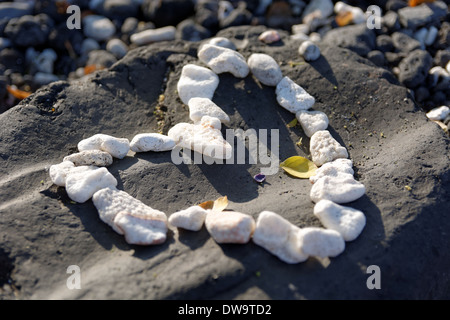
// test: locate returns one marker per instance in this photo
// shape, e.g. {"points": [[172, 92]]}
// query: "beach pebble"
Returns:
{"points": [[90, 157], [269, 36], [309, 50], [45, 60], [312, 121], [221, 42], [438, 72], [414, 68], [89, 45], [341, 189], [431, 36], [58, 172], [16, 9], [321, 243], [230, 226], [438, 114], [129, 216], [349, 222], [265, 69], [404, 43], [204, 137], [98, 27], [333, 169], [324, 8], [300, 28], [324, 148], [117, 47], [293, 97], [221, 60], [199, 107], [156, 142], [279, 237], [191, 218], [28, 30], [80, 186], [414, 17], [196, 81], [358, 15], [153, 35], [117, 147], [189, 30]]}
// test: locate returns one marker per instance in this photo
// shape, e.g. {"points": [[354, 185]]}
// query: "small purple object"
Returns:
{"points": [[259, 177]]}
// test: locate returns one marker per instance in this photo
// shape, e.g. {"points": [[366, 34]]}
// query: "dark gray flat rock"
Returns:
{"points": [[390, 141]]}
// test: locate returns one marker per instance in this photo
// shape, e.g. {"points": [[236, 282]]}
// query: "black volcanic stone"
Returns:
{"points": [[414, 68]]}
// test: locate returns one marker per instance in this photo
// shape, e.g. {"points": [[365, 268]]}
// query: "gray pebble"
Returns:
{"points": [[117, 47], [414, 17], [11, 10], [89, 45], [98, 27], [405, 43], [377, 57], [384, 43], [414, 68], [309, 51]]}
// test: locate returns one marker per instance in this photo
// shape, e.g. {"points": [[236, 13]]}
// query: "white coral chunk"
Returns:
{"points": [[117, 147], [439, 113], [205, 138], [312, 121], [199, 107], [279, 237], [191, 218], [265, 69], [293, 97], [127, 215], [90, 157], [80, 186], [333, 169], [221, 60], [156, 142], [321, 243], [229, 226], [324, 148], [59, 172], [349, 222], [341, 189], [196, 81]]}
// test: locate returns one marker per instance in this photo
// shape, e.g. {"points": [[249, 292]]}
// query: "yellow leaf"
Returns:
{"points": [[299, 167], [207, 204], [293, 123], [220, 204]]}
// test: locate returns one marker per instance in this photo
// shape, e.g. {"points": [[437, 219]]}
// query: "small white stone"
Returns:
{"points": [[312, 121], [309, 51], [293, 97], [279, 237], [324, 148], [265, 69], [300, 28], [315, 37], [204, 137], [438, 114], [321, 243], [80, 186], [333, 169], [117, 47], [199, 107], [341, 189], [439, 72], [90, 157], [229, 226], [128, 216], [349, 222], [221, 42], [196, 82], [58, 172], [117, 147], [221, 60], [431, 36], [153, 35], [300, 37], [358, 15], [156, 142], [191, 218], [269, 36], [98, 27]]}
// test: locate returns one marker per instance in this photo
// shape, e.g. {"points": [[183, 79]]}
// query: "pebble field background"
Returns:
{"points": [[37, 47]]}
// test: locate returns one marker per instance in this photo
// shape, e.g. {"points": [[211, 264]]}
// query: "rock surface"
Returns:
{"points": [[406, 232]]}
